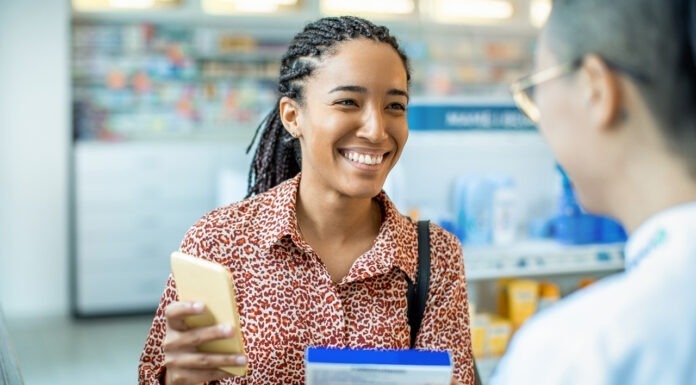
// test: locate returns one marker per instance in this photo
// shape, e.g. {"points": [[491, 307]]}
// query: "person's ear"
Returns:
{"points": [[601, 91], [290, 116]]}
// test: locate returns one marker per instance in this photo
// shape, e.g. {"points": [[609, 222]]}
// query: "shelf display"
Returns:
{"points": [[458, 11], [145, 81], [541, 258], [368, 7], [112, 5], [224, 7]]}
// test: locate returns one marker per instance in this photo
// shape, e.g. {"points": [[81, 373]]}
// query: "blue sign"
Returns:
{"points": [[467, 118]]}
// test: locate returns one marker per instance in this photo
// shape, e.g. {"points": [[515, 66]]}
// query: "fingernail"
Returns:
{"points": [[241, 360], [226, 329], [197, 306]]}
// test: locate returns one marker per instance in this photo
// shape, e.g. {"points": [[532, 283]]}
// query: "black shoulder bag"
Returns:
{"points": [[417, 294]]}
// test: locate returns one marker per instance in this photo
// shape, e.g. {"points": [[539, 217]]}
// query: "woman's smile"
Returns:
{"points": [[363, 159]]}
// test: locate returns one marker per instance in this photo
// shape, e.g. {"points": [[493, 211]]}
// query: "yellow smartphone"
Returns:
{"points": [[208, 282]]}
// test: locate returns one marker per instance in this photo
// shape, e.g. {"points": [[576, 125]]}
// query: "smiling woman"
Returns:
{"points": [[318, 253]]}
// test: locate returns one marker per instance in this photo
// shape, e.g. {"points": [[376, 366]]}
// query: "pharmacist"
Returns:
{"points": [[614, 97]]}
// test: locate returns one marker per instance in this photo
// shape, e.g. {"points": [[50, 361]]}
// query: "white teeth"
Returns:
{"points": [[364, 158]]}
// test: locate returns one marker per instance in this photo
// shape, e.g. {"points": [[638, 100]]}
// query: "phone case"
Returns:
{"points": [[201, 280]]}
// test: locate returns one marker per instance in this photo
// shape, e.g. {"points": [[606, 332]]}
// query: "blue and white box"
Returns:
{"points": [[331, 366]]}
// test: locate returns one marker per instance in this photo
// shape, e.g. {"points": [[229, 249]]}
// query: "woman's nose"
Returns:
{"points": [[374, 128]]}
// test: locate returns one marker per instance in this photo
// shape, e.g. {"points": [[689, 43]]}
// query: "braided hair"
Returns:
{"points": [[278, 155]]}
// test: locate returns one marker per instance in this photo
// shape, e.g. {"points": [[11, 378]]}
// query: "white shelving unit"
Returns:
{"points": [[133, 203], [540, 258]]}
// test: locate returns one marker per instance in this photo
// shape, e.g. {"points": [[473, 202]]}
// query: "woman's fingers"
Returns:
{"points": [[185, 365], [177, 312], [188, 340], [186, 376], [202, 361]]}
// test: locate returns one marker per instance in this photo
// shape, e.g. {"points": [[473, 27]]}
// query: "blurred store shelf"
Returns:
{"points": [[540, 258]]}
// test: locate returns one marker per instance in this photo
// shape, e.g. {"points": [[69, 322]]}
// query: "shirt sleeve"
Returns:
{"points": [[151, 368], [446, 320]]}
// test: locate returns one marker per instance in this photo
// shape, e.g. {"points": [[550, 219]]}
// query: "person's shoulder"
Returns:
{"points": [[604, 313], [446, 250], [440, 236], [552, 346], [232, 215], [592, 308], [595, 333], [236, 223]]}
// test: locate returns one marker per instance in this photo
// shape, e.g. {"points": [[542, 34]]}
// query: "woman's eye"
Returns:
{"points": [[347, 102], [397, 106]]}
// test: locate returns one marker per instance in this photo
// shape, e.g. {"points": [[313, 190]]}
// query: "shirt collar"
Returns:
{"points": [[396, 244], [281, 216], [675, 224]]}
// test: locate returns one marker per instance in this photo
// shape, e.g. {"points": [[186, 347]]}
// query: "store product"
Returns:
{"points": [[549, 294], [485, 208], [498, 336], [490, 335], [505, 212], [377, 367], [517, 300], [479, 324]]}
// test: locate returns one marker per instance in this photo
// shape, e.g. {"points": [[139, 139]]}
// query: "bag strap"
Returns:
{"points": [[417, 294]]}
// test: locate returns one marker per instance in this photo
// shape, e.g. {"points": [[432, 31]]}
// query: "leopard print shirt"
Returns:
{"points": [[287, 300]]}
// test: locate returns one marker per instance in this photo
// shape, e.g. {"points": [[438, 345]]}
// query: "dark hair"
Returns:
{"points": [[654, 38], [278, 155]]}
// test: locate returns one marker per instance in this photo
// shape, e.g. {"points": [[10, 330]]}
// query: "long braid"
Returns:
{"points": [[278, 156]]}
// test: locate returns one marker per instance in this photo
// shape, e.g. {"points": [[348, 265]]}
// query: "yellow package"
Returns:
{"points": [[585, 282], [503, 306], [479, 327], [549, 294], [498, 336], [518, 300]]}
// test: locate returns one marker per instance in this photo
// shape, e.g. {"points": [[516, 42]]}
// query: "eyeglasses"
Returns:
{"points": [[523, 89]]}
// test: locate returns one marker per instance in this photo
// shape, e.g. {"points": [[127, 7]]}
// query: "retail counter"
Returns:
{"points": [[9, 371]]}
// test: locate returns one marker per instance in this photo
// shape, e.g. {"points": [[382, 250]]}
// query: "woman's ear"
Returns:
{"points": [[601, 92], [290, 116]]}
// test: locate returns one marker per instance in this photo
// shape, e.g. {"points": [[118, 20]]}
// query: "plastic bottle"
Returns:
{"points": [[505, 212], [478, 211]]}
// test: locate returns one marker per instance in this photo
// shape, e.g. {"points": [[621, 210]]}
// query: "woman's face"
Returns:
{"points": [[571, 133], [352, 123]]}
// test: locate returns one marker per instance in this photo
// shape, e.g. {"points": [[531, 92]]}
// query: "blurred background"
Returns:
{"points": [[124, 121]]}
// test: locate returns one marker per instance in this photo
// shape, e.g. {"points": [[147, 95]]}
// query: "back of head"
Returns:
{"points": [[278, 157], [653, 41]]}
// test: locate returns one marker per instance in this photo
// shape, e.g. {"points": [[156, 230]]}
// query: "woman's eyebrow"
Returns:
{"points": [[363, 90], [398, 92], [359, 89]]}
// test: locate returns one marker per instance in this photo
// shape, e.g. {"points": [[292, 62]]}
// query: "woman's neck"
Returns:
{"points": [[649, 186], [327, 216]]}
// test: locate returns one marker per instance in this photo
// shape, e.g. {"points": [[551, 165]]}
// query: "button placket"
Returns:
{"points": [[334, 323]]}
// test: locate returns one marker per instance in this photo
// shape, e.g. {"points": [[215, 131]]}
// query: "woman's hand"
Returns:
{"points": [[185, 365]]}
